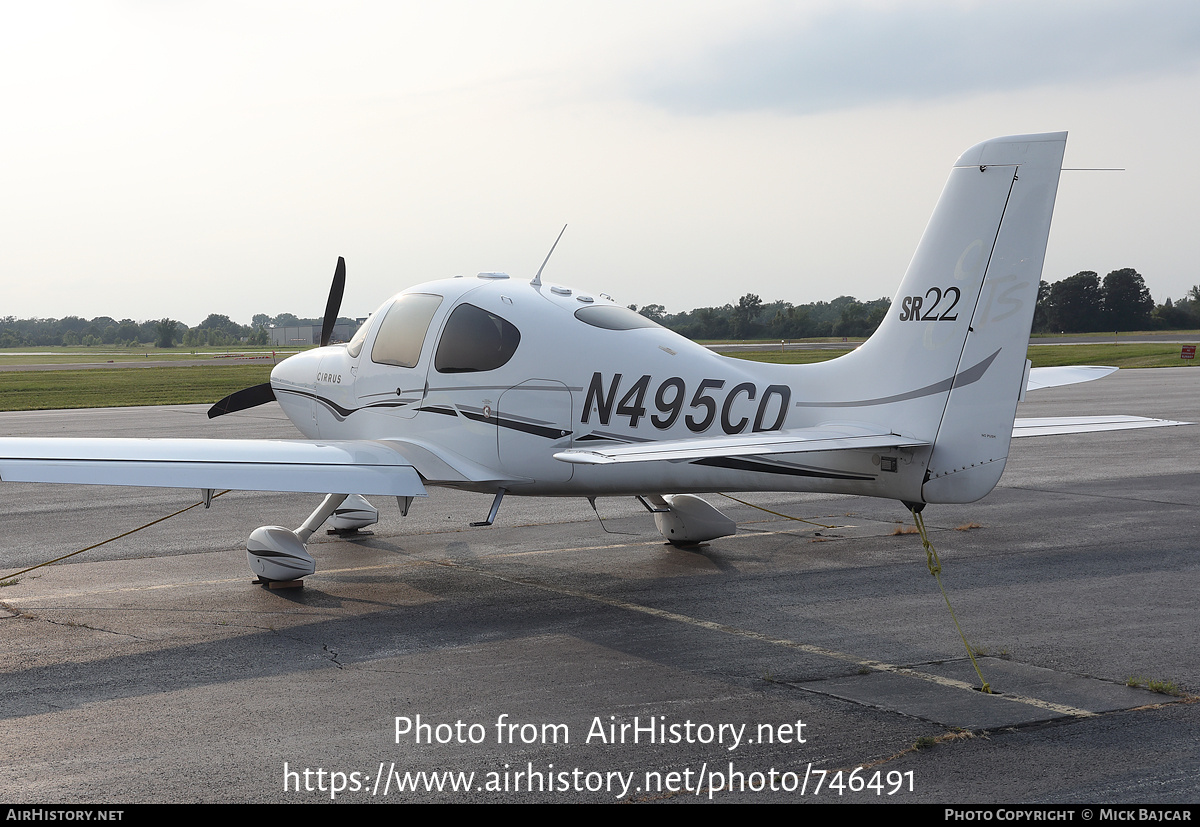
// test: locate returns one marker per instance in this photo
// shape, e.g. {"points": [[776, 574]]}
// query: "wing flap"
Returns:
{"points": [[1055, 425], [348, 466], [797, 440]]}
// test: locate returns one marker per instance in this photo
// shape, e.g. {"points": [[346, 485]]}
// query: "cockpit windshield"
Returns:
{"points": [[403, 330]]}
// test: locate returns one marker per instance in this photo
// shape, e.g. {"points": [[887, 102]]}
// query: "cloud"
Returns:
{"points": [[856, 56]]}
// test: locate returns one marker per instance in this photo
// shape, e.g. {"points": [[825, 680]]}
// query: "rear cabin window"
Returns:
{"points": [[403, 330], [475, 340], [613, 317]]}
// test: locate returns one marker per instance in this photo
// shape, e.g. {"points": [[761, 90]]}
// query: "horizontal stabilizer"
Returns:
{"points": [[241, 464], [1052, 425], [797, 440], [1060, 375]]}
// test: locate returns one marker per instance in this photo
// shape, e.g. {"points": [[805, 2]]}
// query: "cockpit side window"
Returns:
{"points": [[475, 340], [402, 332]]}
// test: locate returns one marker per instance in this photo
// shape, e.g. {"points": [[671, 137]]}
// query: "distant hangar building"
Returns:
{"points": [[305, 335]]}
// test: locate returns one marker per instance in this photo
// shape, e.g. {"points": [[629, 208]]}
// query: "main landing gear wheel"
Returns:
{"points": [[279, 554], [687, 520]]}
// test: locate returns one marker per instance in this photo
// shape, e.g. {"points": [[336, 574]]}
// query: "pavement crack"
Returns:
{"points": [[78, 625], [1121, 497], [333, 656], [922, 744]]}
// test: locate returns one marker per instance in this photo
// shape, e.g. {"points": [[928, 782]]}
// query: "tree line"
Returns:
{"points": [[1081, 303], [751, 318], [217, 331]]}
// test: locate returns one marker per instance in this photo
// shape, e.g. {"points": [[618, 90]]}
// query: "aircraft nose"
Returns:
{"points": [[297, 371]]}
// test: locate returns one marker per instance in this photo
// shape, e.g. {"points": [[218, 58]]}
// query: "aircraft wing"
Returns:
{"points": [[1052, 425], [310, 466], [797, 440]]}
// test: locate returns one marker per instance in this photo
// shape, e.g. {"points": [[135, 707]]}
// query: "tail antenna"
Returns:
{"points": [[537, 280]]}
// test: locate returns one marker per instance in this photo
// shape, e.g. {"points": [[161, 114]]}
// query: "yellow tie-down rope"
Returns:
{"points": [[777, 514], [935, 568], [111, 539], [931, 560]]}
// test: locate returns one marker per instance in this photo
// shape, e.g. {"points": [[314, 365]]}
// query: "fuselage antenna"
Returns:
{"points": [[537, 280]]}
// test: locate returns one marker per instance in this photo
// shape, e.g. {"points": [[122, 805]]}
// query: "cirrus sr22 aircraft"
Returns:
{"points": [[507, 386]]}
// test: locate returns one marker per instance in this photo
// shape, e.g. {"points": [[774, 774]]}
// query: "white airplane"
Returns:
{"points": [[511, 386]]}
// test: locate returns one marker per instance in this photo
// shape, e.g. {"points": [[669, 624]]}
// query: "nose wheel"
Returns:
{"points": [[353, 516]]}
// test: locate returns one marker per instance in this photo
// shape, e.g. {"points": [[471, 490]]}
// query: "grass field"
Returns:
{"points": [[36, 390], [185, 384]]}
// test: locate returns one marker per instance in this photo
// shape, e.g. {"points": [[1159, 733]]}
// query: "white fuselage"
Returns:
{"points": [[571, 383], [480, 382]]}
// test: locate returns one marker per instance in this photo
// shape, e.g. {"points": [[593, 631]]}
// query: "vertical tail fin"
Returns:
{"points": [[977, 423], [947, 361], [972, 440]]}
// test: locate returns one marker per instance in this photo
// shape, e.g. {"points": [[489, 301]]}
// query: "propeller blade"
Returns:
{"points": [[250, 397], [257, 395], [335, 301]]}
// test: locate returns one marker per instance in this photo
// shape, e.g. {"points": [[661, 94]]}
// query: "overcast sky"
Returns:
{"points": [[180, 159]]}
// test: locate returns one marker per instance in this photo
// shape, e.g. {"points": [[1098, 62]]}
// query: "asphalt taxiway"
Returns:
{"points": [[150, 669]]}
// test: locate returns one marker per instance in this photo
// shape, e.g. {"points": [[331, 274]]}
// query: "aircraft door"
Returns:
{"points": [[533, 421], [393, 380]]}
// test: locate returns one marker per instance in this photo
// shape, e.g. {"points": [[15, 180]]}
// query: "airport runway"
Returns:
{"points": [[151, 670]]}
